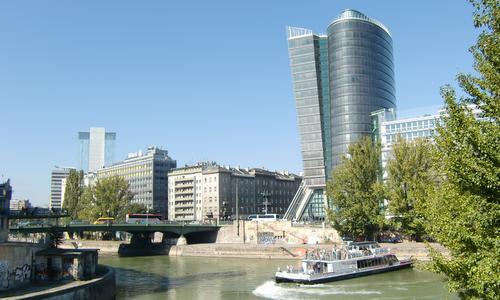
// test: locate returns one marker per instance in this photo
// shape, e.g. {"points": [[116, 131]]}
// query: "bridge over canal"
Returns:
{"points": [[141, 233]]}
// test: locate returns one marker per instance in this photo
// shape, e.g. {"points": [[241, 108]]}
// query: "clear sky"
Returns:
{"points": [[206, 80]]}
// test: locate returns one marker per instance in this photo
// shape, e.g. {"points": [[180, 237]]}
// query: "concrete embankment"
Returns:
{"points": [[102, 287], [272, 251], [418, 251]]}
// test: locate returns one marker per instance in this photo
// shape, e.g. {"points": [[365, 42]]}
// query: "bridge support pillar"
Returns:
{"points": [[181, 240]]}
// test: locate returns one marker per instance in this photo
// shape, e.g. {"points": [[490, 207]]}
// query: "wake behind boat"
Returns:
{"points": [[352, 260]]}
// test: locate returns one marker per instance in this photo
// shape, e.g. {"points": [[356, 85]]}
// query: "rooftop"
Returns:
{"points": [[351, 14]]}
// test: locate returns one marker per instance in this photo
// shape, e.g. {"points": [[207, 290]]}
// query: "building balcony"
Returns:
{"points": [[184, 205], [183, 213], [183, 182], [183, 192], [184, 198]]}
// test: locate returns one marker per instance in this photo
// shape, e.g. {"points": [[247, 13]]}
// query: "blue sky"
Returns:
{"points": [[206, 80]]}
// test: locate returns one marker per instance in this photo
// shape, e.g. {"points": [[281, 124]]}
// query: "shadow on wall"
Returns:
{"points": [[201, 237]]}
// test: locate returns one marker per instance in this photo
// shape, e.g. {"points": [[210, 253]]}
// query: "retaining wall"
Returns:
{"points": [[16, 261], [101, 288], [253, 232]]}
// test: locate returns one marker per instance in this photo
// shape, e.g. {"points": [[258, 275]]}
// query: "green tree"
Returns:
{"points": [[410, 178], [73, 193], [356, 191], [55, 237], [464, 214], [108, 197]]}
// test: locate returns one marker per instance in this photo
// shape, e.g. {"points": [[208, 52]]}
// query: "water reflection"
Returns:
{"points": [[133, 283]]}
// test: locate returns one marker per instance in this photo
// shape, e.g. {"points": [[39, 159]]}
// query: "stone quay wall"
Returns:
{"points": [[253, 232]]}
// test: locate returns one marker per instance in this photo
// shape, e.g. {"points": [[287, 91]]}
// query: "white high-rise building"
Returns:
{"points": [[97, 149], [56, 178]]}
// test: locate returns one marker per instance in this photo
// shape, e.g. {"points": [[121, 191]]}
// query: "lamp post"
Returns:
{"points": [[147, 215], [237, 211]]}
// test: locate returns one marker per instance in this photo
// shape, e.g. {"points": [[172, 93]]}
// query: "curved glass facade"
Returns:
{"points": [[338, 79], [361, 77]]}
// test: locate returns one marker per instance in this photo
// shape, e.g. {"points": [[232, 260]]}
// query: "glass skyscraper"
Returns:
{"points": [[96, 149], [338, 80]]}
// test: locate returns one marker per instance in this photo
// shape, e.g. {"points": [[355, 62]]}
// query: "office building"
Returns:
{"points": [[338, 79], [56, 193], [5, 196], [89, 179], [387, 128], [96, 149], [20, 204], [146, 175], [208, 191]]}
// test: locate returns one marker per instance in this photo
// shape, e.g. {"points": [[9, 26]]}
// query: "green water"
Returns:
{"points": [[163, 277]]}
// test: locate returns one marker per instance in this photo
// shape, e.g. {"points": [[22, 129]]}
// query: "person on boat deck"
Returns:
{"points": [[310, 270]]}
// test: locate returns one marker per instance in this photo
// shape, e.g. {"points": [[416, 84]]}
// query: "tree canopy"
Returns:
{"points": [[410, 177], [356, 192], [73, 193], [464, 213], [109, 197]]}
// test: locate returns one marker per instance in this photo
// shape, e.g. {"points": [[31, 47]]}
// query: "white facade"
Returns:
{"points": [[56, 179], [63, 190], [386, 129], [89, 179], [409, 129], [96, 148], [19, 204], [185, 194]]}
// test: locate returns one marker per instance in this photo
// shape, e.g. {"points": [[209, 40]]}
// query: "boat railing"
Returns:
{"points": [[381, 251], [341, 254]]}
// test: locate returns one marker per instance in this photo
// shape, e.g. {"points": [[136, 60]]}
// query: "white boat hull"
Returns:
{"points": [[333, 276]]}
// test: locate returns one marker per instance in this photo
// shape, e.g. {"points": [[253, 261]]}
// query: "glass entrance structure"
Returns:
{"points": [[338, 80]]}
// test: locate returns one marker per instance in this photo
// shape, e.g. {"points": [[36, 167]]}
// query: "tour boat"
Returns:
{"points": [[352, 260]]}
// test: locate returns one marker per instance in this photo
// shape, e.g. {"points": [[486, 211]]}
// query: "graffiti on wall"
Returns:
{"points": [[41, 272], [4, 275], [22, 274], [13, 277], [68, 270]]}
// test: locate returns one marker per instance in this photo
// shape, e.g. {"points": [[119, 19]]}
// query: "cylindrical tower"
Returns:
{"points": [[361, 79]]}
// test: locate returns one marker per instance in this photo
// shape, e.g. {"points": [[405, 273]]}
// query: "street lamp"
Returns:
{"points": [[237, 210], [147, 215]]}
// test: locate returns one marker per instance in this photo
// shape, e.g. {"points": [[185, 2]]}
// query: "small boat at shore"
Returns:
{"points": [[350, 261]]}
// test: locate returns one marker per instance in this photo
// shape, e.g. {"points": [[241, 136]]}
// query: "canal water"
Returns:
{"points": [[164, 277]]}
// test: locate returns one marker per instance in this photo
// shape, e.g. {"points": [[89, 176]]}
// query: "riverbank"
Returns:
{"points": [[418, 251]]}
